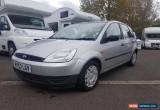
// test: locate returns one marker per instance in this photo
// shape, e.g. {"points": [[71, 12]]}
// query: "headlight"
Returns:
{"points": [[20, 32], [61, 56], [147, 40]]}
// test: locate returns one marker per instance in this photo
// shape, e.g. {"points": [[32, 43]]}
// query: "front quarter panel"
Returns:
{"points": [[84, 59]]}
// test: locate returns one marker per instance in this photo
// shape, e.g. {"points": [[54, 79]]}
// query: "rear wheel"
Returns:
{"points": [[11, 49], [89, 76], [133, 59]]}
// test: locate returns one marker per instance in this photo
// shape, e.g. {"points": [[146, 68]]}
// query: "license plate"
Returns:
{"points": [[23, 67], [155, 46]]}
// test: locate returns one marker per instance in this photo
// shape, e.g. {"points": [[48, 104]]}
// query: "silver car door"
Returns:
{"points": [[127, 44], [111, 48]]}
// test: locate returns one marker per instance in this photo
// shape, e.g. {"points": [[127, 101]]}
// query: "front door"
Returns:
{"points": [[111, 49]]}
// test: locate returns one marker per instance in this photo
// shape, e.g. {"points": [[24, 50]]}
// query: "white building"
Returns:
{"points": [[65, 16]]}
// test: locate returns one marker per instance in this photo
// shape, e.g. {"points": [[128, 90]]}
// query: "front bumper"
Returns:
{"points": [[55, 74], [49, 81], [152, 45], [52, 69]]}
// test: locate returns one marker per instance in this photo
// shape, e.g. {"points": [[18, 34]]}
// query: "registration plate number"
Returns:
{"points": [[22, 67], [156, 45]]}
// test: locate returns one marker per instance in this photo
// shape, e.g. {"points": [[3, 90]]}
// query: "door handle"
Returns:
{"points": [[133, 41], [122, 44]]}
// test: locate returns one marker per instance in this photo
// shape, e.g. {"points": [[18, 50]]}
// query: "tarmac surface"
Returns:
{"points": [[117, 88]]}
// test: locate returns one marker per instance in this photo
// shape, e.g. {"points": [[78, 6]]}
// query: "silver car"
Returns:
{"points": [[77, 55]]}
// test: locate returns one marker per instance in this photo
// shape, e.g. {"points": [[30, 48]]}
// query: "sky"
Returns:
{"points": [[62, 3], [75, 4]]}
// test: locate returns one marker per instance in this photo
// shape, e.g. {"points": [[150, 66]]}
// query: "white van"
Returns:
{"points": [[151, 37], [22, 23], [63, 17]]}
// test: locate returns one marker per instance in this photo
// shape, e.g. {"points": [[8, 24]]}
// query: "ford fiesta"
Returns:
{"points": [[77, 55]]}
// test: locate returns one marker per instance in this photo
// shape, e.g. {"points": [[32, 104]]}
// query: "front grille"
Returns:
{"points": [[29, 57], [155, 43]]}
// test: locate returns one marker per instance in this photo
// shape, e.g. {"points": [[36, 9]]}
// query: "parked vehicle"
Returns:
{"points": [[139, 44], [77, 55], [63, 17], [151, 37], [22, 23]]}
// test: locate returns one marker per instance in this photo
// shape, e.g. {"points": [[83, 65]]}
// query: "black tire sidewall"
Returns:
{"points": [[11, 45], [81, 80], [130, 62]]}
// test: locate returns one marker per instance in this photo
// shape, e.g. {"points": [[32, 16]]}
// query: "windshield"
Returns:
{"points": [[26, 22], [83, 31], [153, 36]]}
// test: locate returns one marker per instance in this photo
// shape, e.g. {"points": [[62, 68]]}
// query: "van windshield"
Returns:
{"points": [[26, 22], [153, 36]]}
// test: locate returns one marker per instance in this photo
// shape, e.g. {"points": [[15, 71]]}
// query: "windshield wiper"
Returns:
{"points": [[61, 38], [85, 39]]}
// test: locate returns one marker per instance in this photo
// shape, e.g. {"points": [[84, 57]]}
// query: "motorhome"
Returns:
{"points": [[63, 17], [151, 37], [21, 23]]}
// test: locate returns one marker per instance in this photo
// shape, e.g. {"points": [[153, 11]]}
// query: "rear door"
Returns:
{"points": [[128, 42]]}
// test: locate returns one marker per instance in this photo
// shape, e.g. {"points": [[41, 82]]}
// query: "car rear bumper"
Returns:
{"points": [[51, 81]]}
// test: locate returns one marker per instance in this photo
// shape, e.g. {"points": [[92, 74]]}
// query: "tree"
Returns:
{"points": [[136, 13], [102, 8]]}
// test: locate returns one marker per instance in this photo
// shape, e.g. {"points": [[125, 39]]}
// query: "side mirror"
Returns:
{"points": [[4, 27], [110, 39]]}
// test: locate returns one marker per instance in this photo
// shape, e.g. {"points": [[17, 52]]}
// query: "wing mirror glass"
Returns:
{"points": [[110, 38], [3, 27]]}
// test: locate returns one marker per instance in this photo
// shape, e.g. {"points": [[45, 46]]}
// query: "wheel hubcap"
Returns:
{"points": [[91, 76], [11, 51], [134, 57]]}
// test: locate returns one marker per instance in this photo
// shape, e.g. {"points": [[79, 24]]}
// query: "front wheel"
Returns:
{"points": [[89, 76], [11, 49]]}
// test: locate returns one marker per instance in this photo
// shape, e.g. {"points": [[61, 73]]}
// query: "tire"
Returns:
{"points": [[86, 76], [11, 49], [133, 59], [2, 52]]}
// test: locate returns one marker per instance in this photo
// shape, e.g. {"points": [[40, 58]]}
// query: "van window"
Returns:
{"points": [[153, 36], [26, 22], [64, 14], [65, 25], [4, 21], [54, 26]]}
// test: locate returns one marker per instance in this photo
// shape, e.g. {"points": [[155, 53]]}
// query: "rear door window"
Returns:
{"points": [[126, 32]]}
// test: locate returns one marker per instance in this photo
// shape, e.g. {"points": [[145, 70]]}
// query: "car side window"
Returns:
{"points": [[132, 33], [4, 21], [113, 30], [113, 33], [126, 32]]}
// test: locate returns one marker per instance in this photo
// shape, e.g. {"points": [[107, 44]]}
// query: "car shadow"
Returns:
{"points": [[5, 54], [112, 72]]}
